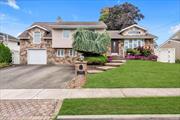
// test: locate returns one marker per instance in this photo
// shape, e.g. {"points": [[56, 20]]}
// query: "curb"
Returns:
{"points": [[121, 117]]}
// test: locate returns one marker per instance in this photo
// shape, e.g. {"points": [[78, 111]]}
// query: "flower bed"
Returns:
{"points": [[139, 57], [140, 53]]}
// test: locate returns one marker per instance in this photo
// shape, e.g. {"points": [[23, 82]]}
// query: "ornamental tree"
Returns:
{"points": [[89, 42]]}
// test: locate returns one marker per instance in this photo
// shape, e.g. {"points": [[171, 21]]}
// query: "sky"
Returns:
{"points": [[162, 17]]}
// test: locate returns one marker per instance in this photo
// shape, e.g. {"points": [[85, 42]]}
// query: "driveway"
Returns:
{"points": [[36, 77]]}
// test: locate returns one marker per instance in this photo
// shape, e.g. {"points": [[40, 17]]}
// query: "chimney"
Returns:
{"points": [[58, 20]]}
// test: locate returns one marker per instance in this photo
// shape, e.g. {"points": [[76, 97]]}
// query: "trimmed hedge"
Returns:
{"points": [[5, 54], [96, 60]]}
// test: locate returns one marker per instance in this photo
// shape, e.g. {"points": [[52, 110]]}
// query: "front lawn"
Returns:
{"points": [[113, 106], [137, 74]]}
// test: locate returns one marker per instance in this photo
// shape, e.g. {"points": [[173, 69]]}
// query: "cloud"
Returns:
{"points": [[11, 3], [175, 28], [118, 1]]}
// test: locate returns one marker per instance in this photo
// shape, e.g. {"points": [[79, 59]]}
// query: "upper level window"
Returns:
{"points": [[37, 37], [66, 34]]}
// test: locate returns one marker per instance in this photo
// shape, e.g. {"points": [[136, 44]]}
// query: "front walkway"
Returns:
{"points": [[85, 93], [29, 109]]}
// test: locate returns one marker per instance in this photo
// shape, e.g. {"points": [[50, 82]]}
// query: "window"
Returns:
{"points": [[133, 44], [72, 53], [37, 37], [66, 34], [60, 53], [134, 32]]}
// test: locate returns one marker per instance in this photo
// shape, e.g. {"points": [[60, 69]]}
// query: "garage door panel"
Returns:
{"points": [[37, 56]]}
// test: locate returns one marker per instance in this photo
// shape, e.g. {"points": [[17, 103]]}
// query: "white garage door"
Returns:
{"points": [[166, 55], [37, 56]]}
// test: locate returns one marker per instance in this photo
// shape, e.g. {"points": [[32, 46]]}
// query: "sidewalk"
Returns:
{"points": [[85, 93]]}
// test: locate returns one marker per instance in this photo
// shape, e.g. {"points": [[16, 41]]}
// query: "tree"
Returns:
{"points": [[5, 54], [121, 16], [104, 14], [88, 42]]}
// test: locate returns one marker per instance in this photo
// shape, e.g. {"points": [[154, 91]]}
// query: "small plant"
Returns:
{"points": [[177, 61]]}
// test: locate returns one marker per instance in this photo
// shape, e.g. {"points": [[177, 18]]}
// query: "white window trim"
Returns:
{"points": [[34, 37], [59, 55], [142, 43], [74, 53], [63, 34]]}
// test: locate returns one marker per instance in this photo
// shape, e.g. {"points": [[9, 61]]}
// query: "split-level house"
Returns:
{"points": [[51, 42], [130, 37]]}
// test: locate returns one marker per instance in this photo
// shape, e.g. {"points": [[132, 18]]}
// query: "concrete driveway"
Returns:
{"points": [[36, 77]]}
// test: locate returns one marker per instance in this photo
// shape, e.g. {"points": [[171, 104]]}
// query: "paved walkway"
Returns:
{"points": [[85, 93], [28, 109]]}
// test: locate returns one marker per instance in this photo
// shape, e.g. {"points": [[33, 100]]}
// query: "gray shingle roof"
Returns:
{"points": [[116, 35], [64, 25]]}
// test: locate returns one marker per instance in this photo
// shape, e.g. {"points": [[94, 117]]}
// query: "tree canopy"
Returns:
{"points": [[86, 41], [121, 16]]}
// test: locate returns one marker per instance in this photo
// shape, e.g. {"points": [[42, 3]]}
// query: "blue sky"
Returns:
{"points": [[162, 17]]}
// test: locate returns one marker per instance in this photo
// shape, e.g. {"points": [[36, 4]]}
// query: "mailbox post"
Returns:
{"points": [[81, 72]]}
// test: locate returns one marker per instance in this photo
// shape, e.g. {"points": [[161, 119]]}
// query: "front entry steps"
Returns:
{"points": [[118, 61], [108, 66], [104, 68], [94, 71], [114, 64]]}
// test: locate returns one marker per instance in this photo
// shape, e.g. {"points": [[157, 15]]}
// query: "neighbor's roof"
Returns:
{"points": [[174, 38], [48, 26], [5, 36], [116, 35]]}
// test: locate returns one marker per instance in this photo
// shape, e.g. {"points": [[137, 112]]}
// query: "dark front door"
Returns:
{"points": [[114, 46]]}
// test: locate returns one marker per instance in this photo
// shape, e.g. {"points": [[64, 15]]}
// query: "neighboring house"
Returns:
{"points": [[170, 49], [13, 44], [130, 37], [51, 42]]}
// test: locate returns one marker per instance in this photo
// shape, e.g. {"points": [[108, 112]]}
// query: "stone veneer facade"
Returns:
{"points": [[26, 44]]}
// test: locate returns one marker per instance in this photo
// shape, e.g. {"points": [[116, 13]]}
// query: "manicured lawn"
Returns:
{"points": [[101, 106], [137, 74]]}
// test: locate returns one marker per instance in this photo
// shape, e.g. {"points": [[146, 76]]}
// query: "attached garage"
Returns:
{"points": [[36, 56]]}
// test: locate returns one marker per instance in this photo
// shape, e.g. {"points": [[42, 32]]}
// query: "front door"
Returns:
{"points": [[115, 47]]}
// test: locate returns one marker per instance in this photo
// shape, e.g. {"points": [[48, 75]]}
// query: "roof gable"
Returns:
{"points": [[132, 26], [38, 27]]}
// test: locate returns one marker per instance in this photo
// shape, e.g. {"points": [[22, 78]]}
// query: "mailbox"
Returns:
{"points": [[81, 67]]}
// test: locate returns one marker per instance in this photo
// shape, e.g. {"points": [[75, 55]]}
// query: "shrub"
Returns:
{"points": [[177, 61], [96, 60], [133, 52], [5, 54]]}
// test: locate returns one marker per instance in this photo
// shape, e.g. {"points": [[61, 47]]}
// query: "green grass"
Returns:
{"points": [[2, 65], [113, 106], [137, 74]]}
